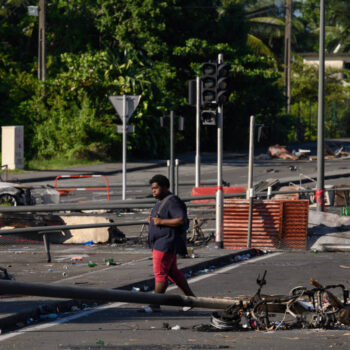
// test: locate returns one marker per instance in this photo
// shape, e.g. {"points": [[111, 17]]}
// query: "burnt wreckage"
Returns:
{"points": [[317, 307]]}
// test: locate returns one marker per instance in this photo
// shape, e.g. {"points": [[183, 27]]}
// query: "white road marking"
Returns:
{"points": [[230, 267], [118, 304]]}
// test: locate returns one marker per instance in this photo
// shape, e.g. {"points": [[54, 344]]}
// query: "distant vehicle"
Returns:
{"points": [[13, 194]]}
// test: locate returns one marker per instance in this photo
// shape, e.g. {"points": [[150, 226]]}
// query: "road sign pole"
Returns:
{"points": [[125, 106], [198, 125], [124, 148], [171, 180], [219, 192]]}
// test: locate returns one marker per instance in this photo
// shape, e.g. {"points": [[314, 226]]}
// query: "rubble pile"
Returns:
{"points": [[316, 307]]}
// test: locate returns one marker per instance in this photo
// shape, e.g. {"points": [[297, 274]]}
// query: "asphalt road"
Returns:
{"points": [[119, 326], [235, 172]]}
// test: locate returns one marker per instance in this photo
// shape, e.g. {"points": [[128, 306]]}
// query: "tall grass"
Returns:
{"points": [[57, 163]]}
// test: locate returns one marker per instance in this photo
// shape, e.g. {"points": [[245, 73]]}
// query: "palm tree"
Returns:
{"points": [[338, 30], [265, 25]]}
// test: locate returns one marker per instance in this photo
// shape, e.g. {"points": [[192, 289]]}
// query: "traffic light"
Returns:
{"points": [[222, 83], [208, 91], [215, 83]]}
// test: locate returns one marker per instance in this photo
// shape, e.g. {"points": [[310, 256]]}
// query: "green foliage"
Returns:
{"points": [[305, 83], [305, 98], [56, 163]]}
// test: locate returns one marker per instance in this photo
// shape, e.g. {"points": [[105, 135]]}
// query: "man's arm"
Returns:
{"points": [[174, 222]]}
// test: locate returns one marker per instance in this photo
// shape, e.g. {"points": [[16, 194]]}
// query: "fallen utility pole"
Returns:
{"points": [[87, 293]]}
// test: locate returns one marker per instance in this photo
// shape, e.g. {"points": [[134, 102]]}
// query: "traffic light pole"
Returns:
{"points": [[198, 111], [219, 190]]}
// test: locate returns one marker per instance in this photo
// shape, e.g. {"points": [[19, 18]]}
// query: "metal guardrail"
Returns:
{"points": [[133, 204], [55, 228], [146, 184], [141, 203]]}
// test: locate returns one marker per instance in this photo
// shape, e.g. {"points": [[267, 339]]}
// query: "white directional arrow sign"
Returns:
{"points": [[131, 103], [125, 106]]}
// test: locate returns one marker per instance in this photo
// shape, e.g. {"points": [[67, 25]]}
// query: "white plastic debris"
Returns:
{"points": [[176, 328]]}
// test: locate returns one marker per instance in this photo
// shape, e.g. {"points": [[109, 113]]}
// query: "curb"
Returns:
{"points": [[32, 316]]}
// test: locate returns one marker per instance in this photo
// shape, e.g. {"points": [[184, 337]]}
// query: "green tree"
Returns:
{"points": [[101, 48], [305, 97]]}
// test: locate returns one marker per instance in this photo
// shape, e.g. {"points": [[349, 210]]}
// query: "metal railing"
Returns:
{"points": [[132, 204], [145, 202]]}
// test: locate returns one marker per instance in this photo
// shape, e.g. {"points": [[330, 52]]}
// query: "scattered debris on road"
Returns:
{"points": [[280, 152], [288, 196], [317, 307]]}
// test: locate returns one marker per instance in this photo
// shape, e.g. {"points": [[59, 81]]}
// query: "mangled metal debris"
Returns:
{"points": [[317, 307], [281, 152]]}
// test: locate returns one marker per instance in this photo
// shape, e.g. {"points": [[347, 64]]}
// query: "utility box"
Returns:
{"points": [[12, 146]]}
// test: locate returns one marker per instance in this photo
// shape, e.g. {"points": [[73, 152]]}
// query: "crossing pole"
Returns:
{"points": [[219, 190]]}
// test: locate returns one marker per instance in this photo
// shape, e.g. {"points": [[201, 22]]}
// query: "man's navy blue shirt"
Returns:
{"points": [[164, 238]]}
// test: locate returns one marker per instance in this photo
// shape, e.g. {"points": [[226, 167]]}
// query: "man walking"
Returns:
{"points": [[165, 237]]}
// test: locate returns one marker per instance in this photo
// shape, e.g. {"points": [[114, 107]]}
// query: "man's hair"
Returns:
{"points": [[161, 180]]}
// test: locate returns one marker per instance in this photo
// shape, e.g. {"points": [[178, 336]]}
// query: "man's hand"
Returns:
{"points": [[157, 221]]}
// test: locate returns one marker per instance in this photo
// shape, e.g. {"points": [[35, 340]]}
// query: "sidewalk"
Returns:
{"points": [[133, 270]]}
